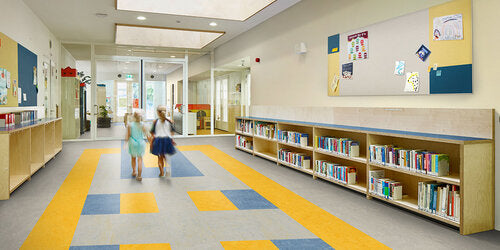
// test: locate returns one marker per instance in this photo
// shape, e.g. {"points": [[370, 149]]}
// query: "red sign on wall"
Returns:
{"points": [[136, 103]]}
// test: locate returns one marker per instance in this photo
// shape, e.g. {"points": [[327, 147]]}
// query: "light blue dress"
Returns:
{"points": [[136, 143]]}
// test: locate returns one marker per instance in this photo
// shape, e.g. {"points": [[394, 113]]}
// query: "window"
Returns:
{"points": [[217, 100], [224, 99]]}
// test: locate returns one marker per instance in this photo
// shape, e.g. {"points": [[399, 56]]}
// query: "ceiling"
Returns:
{"points": [[75, 21]]}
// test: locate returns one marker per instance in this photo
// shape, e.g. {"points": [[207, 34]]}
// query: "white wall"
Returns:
{"points": [[19, 23], [301, 80]]}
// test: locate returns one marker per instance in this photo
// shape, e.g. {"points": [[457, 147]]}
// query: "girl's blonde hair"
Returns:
{"points": [[137, 115], [162, 112]]}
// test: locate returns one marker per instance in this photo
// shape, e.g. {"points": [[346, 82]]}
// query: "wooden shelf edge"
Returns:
{"points": [[263, 155], [264, 138], [307, 171], [413, 207], [295, 145], [444, 179], [355, 187], [35, 167], [17, 181], [243, 133], [244, 149], [350, 158]]}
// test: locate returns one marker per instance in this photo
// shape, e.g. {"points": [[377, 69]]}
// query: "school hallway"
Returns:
{"points": [[217, 198]]}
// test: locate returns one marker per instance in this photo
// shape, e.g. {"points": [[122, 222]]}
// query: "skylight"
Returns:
{"points": [[164, 37], [239, 10]]}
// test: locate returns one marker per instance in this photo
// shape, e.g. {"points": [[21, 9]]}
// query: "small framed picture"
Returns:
{"points": [[423, 52]]}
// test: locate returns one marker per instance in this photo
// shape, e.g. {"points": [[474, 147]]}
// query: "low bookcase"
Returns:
{"points": [[25, 148], [471, 165]]}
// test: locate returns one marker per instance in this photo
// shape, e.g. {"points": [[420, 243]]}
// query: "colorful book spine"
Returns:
{"points": [[336, 172], [265, 129], [244, 142], [300, 139], [244, 126], [419, 161], [298, 160], [343, 146], [440, 199]]}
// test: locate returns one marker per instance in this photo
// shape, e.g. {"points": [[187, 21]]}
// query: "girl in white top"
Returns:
{"points": [[161, 138]]}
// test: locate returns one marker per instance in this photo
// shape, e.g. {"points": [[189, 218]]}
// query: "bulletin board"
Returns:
{"points": [[8, 61], [27, 76], [367, 61]]}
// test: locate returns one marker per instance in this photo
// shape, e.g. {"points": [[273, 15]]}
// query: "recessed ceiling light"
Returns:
{"points": [[213, 24], [160, 66], [127, 62], [142, 18], [172, 56], [129, 50]]}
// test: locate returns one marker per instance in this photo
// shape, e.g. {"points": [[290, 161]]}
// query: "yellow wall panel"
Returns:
{"points": [[8, 61], [452, 52], [333, 69]]}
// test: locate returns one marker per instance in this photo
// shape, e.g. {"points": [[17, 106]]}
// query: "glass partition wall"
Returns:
{"points": [[115, 81]]}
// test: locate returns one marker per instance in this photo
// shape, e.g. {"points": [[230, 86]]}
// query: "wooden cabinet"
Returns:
{"points": [[26, 148], [70, 106]]}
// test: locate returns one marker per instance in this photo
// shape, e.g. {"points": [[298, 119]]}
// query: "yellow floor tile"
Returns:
{"points": [[211, 201], [248, 245], [159, 246], [137, 203]]}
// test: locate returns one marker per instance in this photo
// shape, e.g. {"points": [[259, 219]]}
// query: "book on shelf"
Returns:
{"points": [[265, 129], [337, 172], [440, 199], [384, 187], [244, 126], [7, 120], [413, 160], [343, 146], [244, 142], [299, 160], [301, 139]]}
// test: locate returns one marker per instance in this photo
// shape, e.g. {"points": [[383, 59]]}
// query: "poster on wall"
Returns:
{"points": [[399, 68], [347, 71], [448, 28], [357, 46], [3, 87], [412, 82]]}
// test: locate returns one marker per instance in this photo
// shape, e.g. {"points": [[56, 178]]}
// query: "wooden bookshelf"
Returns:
{"points": [[26, 148], [470, 160]]}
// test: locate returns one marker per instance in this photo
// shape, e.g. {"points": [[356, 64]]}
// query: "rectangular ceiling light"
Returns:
{"points": [[164, 37], [239, 10]]}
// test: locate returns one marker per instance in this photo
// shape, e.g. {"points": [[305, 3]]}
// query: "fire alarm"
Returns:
{"points": [[257, 59]]}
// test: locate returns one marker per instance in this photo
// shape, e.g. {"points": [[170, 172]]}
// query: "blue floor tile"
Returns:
{"points": [[101, 204], [247, 199], [181, 167], [96, 247], [301, 244]]}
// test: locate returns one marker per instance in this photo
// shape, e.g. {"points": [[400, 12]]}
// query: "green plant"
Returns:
{"points": [[103, 111]]}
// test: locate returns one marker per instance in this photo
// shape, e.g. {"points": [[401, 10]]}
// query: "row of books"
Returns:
{"points": [[384, 187], [420, 161], [299, 160], [343, 174], [10, 119], [439, 199], [298, 138], [244, 142], [244, 126], [344, 146], [265, 129]]}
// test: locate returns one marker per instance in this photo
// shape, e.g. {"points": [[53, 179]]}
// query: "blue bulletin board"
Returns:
{"points": [[27, 66]]}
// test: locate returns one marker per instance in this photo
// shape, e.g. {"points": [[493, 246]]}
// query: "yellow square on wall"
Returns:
{"points": [[211, 201], [137, 203]]}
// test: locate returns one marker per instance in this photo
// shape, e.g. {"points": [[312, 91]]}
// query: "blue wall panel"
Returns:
{"points": [[27, 60], [451, 79]]}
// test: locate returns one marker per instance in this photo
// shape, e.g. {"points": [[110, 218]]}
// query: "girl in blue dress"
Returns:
{"points": [[161, 138], [136, 144]]}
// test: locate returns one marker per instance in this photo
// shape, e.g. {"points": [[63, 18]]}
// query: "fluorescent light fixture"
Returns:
{"points": [[239, 10], [164, 37], [172, 56], [141, 18], [213, 24]]}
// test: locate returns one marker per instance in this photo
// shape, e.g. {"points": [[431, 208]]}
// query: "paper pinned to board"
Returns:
{"points": [[19, 95], [347, 71], [399, 68], [448, 28], [412, 82]]}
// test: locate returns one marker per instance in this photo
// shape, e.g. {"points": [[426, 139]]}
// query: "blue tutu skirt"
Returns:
{"points": [[163, 146]]}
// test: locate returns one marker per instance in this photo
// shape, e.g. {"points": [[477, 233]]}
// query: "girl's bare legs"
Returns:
{"points": [[161, 164], [133, 167], [139, 167]]}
